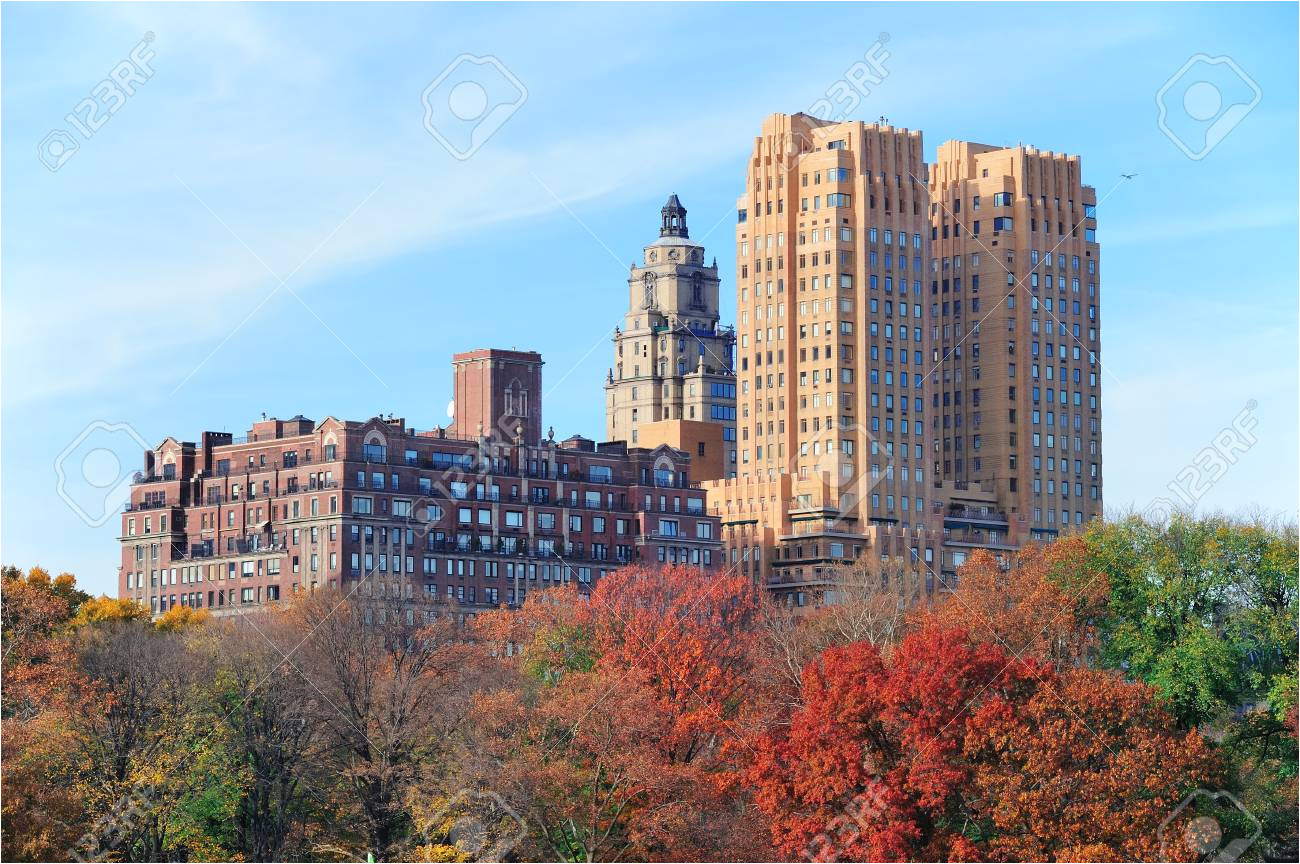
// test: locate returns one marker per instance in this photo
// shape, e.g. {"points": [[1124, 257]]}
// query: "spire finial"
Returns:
{"points": [[673, 219]]}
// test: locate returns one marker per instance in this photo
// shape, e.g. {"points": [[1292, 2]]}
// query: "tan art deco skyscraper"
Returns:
{"points": [[1013, 286], [832, 347]]}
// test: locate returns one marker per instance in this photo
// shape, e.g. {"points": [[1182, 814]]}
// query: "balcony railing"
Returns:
{"points": [[976, 538], [136, 506], [977, 513]]}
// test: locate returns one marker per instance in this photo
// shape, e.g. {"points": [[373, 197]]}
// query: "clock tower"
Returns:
{"points": [[673, 380]]}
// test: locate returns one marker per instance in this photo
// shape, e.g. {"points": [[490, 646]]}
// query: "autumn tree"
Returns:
{"points": [[693, 636], [619, 735], [383, 674], [883, 760], [38, 665], [133, 735], [1041, 603], [40, 815], [263, 711], [584, 766], [1087, 767], [102, 609], [863, 604]]}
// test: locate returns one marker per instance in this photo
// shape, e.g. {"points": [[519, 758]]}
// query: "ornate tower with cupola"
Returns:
{"points": [[673, 381]]}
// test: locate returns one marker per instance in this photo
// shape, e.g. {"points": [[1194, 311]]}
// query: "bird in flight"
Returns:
{"points": [[1128, 176]]}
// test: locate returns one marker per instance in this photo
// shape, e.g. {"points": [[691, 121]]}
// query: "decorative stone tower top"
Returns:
{"points": [[673, 381], [674, 219]]}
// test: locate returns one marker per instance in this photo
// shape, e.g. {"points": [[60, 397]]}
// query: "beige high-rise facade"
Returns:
{"points": [[672, 381], [832, 348], [1013, 289]]}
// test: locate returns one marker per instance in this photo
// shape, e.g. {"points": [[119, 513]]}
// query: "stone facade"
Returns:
{"points": [[672, 360]]}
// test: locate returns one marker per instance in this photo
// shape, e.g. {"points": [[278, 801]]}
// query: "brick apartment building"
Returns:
{"points": [[479, 513]]}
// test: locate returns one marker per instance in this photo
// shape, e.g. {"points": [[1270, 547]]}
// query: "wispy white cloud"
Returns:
{"points": [[1221, 222]]}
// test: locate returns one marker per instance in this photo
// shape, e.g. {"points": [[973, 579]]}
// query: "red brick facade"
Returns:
{"points": [[230, 524]]}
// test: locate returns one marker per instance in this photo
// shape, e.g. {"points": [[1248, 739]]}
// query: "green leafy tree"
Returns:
{"points": [[1203, 609]]}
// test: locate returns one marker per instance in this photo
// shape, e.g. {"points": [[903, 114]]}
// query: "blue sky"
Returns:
{"points": [[142, 278]]}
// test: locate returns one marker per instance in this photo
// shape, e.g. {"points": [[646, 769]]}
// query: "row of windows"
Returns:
{"points": [[560, 572], [1006, 199], [955, 261], [161, 603]]}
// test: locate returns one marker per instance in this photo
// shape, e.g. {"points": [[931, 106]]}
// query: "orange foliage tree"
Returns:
{"points": [[1086, 769], [42, 817], [1041, 604]]}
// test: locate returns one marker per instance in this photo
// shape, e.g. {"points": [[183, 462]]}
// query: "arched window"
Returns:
{"points": [[697, 289]]}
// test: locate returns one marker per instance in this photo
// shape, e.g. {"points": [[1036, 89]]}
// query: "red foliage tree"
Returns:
{"points": [[918, 756], [693, 638], [620, 736]]}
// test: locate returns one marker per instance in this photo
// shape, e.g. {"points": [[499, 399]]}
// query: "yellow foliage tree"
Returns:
{"points": [[104, 608], [179, 617]]}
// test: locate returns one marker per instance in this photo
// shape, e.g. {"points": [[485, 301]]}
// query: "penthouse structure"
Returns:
{"points": [[480, 512]]}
